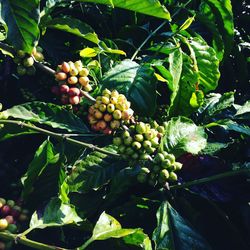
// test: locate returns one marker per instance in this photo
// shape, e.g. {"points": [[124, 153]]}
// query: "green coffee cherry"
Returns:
{"points": [[163, 176], [142, 178], [136, 145], [178, 165], [122, 148], [117, 141], [159, 157], [139, 137], [140, 128], [173, 176], [166, 164], [147, 144], [128, 141]]}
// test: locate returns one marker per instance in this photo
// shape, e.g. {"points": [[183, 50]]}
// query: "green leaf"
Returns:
{"points": [[94, 171], [175, 68], [187, 85], [8, 131], [48, 114], [108, 227], [163, 48], [55, 214], [137, 82], [44, 156], [22, 18], [173, 232], [73, 26], [148, 7], [230, 125], [89, 52], [224, 20], [243, 112], [187, 23], [182, 135]]}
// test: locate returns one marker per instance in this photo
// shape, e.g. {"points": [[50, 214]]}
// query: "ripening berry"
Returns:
{"points": [[84, 72], [92, 110], [110, 108], [101, 125], [105, 100], [73, 71], [108, 117], [88, 88], [127, 141], [74, 100], [136, 145], [173, 176], [106, 92], [83, 80], [28, 61], [65, 67], [38, 56], [117, 114], [102, 107], [139, 137], [10, 219], [98, 114], [64, 89], [60, 76], [140, 128], [115, 93], [74, 92], [149, 135], [3, 224], [115, 124], [92, 119], [72, 80], [113, 100], [5, 210]]}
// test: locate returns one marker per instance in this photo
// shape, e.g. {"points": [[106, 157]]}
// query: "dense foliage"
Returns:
{"points": [[124, 124]]}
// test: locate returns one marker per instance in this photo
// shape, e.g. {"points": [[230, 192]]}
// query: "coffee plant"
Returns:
{"points": [[124, 124]]}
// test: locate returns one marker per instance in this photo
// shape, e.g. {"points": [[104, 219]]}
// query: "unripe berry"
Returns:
{"points": [[149, 135], [178, 165], [3, 224], [84, 72], [38, 56], [159, 158], [98, 114], [105, 100], [16, 60], [115, 124], [144, 156], [125, 135], [136, 145], [150, 150], [106, 91], [173, 176], [128, 141], [12, 228], [88, 88], [170, 157], [142, 178], [155, 142], [102, 107], [60, 76], [129, 151], [21, 70], [113, 100], [101, 125], [83, 80], [122, 148], [166, 164], [117, 114], [160, 129], [64, 89], [15, 211], [10, 203], [72, 80], [65, 67], [163, 176], [146, 144], [21, 53], [140, 128], [117, 141], [110, 108], [28, 61], [135, 156], [74, 92], [108, 117], [139, 137], [74, 100]]}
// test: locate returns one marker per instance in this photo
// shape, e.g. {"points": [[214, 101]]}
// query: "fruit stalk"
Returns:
{"points": [[59, 137]]}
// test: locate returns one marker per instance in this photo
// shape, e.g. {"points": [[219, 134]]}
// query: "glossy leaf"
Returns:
{"points": [[44, 156], [93, 171], [108, 227], [22, 19], [182, 135], [173, 232], [137, 82], [55, 214], [46, 113], [243, 112], [148, 7], [73, 26]]}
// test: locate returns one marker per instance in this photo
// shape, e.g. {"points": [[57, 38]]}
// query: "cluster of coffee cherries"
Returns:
{"points": [[25, 62], [11, 215], [72, 78], [161, 170], [110, 111], [140, 141]]}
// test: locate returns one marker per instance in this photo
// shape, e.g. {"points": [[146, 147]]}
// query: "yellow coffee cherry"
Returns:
{"points": [[105, 99]]}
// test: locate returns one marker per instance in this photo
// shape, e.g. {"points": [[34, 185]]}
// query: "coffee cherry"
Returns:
{"points": [[113, 100], [138, 137], [125, 135], [72, 80], [108, 117], [12, 228], [101, 125], [38, 56], [65, 67], [98, 114], [2, 202], [74, 92], [3, 224], [115, 124], [117, 114], [110, 108], [102, 107], [10, 203], [170, 157], [21, 70], [88, 88], [105, 100], [136, 145], [163, 176], [60, 76], [128, 141], [146, 144], [28, 61], [5, 210], [122, 148], [10, 219], [84, 72], [64, 89], [117, 141], [107, 131], [74, 100], [140, 128], [21, 53], [83, 80], [173, 176], [178, 165]]}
